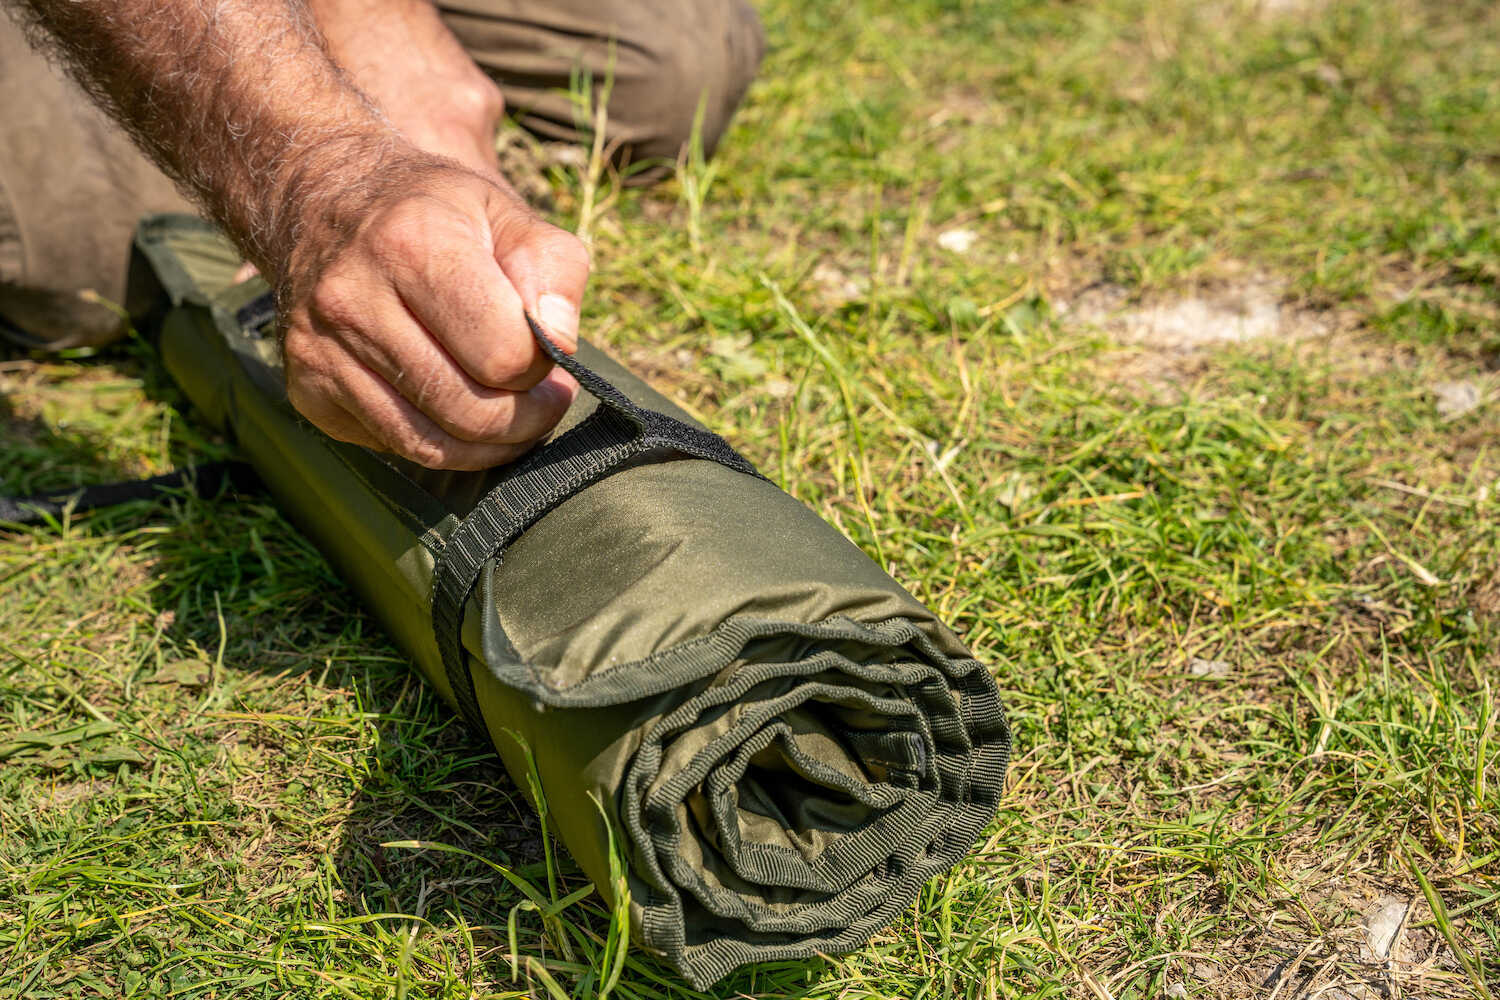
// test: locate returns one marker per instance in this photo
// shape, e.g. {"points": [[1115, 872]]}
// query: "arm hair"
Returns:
{"points": [[239, 102]]}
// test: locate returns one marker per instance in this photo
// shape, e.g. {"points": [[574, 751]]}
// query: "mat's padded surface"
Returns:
{"points": [[787, 744]]}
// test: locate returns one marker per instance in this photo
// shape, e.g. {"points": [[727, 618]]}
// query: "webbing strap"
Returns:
{"points": [[207, 480], [616, 433]]}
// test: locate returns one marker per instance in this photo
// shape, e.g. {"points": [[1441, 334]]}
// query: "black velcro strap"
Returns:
{"points": [[616, 433], [205, 480], [258, 315]]}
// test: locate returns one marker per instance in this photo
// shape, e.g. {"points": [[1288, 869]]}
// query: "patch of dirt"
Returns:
{"points": [[1233, 314], [1485, 598], [835, 287], [1164, 339], [1453, 399], [1284, 8], [1337, 936]]}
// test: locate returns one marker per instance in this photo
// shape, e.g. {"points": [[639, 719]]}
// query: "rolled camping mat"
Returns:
{"points": [[783, 744]]}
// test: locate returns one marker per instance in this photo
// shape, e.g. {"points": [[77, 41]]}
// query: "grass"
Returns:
{"points": [[1243, 601]]}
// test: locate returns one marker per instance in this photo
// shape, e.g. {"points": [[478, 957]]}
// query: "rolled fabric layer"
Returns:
{"points": [[785, 744]]}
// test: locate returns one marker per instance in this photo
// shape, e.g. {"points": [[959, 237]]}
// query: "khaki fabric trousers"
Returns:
{"points": [[73, 186]]}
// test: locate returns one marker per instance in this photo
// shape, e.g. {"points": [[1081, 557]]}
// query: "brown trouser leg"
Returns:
{"points": [[73, 186], [660, 58]]}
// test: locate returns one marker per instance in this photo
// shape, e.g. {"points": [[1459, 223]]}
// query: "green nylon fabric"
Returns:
{"points": [[787, 744]]}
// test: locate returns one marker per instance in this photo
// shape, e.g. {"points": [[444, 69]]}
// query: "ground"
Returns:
{"points": [[1153, 342]]}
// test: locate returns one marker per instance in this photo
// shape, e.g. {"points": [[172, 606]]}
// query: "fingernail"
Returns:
{"points": [[560, 318]]}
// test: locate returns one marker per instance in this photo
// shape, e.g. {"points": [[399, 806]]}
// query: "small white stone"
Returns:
{"points": [[1454, 399], [1177, 991], [838, 288], [1209, 668], [1382, 923], [958, 240]]}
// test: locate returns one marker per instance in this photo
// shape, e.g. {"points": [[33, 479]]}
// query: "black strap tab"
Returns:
{"points": [[257, 315], [206, 479], [616, 433]]}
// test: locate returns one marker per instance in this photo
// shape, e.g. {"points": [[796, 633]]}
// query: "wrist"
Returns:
{"points": [[322, 197]]}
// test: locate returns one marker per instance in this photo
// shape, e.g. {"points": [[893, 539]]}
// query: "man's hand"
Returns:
{"points": [[410, 337], [402, 275]]}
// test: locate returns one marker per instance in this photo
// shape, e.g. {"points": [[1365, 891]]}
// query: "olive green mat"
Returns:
{"points": [[784, 744]]}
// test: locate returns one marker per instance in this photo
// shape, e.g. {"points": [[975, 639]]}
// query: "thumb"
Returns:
{"points": [[549, 269]]}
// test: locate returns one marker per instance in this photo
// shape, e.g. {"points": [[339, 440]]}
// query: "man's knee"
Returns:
{"points": [[663, 61], [690, 86]]}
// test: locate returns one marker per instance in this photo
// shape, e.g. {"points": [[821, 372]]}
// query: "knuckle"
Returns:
{"points": [[424, 449], [473, 423], [297, 351], [478, 100], [311, 396], [567, 250], [334, 302], [504, 364], [401, 236], [515, 224], [307, 362]]}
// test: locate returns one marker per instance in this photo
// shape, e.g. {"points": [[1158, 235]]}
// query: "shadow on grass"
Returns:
{"points": [[35, 456], [231, 577]]}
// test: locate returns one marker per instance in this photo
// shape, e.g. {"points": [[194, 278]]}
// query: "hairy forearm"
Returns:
{"points": [[237, 100], [404, 266]]}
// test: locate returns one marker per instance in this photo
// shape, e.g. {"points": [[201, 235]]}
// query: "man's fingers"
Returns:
{"points": [[550, 270], [416, 328], [455, 288], [426, 376], [315, 402], [392, 424]]}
